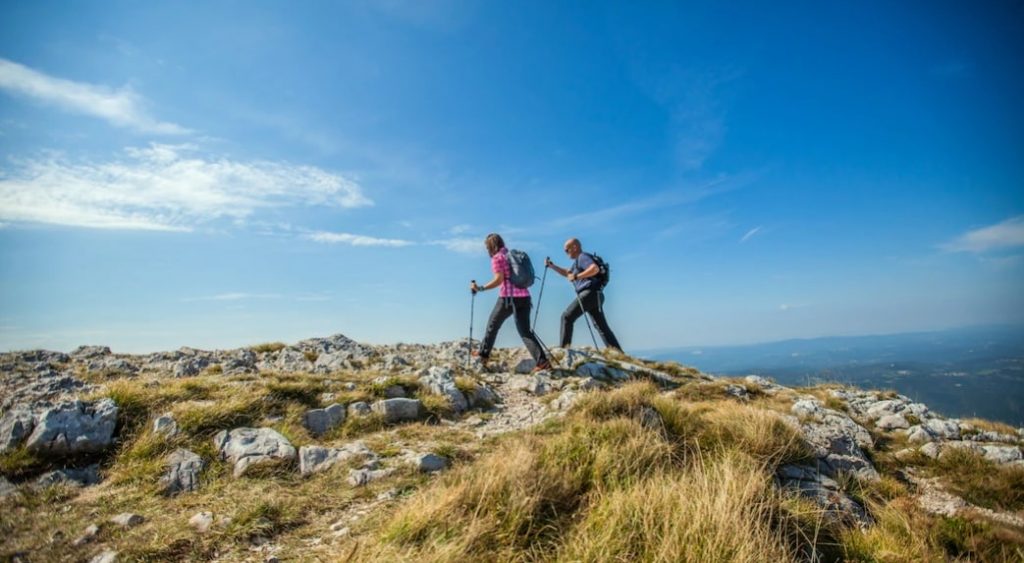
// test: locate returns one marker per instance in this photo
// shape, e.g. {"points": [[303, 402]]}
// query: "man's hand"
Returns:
{"points": [[571, 277], [548, 263]]}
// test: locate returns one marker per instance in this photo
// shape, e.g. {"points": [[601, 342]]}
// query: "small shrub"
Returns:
{"points": [[268, 347], [19, 462]]}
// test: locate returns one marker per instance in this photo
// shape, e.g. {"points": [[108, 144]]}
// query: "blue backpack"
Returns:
{"points": [[522, 269]]}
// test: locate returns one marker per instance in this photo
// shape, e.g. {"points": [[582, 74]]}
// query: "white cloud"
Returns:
{"points": [[121, 107], [356, 240], [162, 187], [1006, 234], [791, 306], [462, 245], [750, 234], [459, 229]]}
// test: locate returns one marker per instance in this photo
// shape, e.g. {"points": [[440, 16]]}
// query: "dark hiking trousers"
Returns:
{"points": [[503, 309], [593, 303]]}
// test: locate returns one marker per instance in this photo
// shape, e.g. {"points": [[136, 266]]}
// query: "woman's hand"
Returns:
{"points": [[474, 287]]}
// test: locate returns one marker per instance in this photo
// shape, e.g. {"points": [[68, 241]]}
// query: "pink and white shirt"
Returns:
{"points": [[499, 264]]}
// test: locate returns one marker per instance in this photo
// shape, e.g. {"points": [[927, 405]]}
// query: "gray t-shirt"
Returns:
{"points": [[582, 262]]}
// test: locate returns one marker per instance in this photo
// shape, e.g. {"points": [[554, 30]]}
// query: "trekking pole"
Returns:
{"points": [[586, 318], [472, 306], [536, 314]]}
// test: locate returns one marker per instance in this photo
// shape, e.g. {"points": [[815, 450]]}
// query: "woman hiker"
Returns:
{"points": [[512, 300]]}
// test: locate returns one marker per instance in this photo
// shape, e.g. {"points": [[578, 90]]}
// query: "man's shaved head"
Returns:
{"points": [[573, 247]]}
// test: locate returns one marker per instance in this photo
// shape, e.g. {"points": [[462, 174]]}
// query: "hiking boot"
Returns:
{"points": [[483, 359], [542, 366]]}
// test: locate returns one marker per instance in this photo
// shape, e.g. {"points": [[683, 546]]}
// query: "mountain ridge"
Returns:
{"points": [[410, 452]]}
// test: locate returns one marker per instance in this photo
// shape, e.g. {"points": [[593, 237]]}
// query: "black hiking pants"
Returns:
{"points": [[503, 309], [593, 303]]}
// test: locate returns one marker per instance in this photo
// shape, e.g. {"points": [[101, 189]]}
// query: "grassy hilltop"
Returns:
{"points": [[608, 459]]}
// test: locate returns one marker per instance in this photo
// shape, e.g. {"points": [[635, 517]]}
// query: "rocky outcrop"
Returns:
{"points": [[78, 477], [315, 459], [837, 441], [74, 427], [319, 421], [441, 380], [808, 482], [249, 447], [15, 425], [182, 473], [398, 410]]}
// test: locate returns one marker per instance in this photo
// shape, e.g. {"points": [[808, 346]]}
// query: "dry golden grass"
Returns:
{"points": [[721, 510]]}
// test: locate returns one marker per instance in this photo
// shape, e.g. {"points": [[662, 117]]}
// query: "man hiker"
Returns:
{"points": [[583, 274], [512, 300]]}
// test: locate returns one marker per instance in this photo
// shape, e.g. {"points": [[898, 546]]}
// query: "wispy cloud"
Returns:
{"points": [[791, 306], [750, 234], [660, 200], [162, 187], [1006, 234], [121, 107], [462, 245], [356, 240]]}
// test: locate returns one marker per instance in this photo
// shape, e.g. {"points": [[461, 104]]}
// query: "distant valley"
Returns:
{"points": [[967, 372]]}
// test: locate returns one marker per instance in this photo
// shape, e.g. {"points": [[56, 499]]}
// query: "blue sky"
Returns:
{"points": [[216, 174]]}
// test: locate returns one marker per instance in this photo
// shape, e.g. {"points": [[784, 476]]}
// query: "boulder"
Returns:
{"points": [[182, 474], [292, 360], [74, 427], [945, 429], [81, 477], [248, 447], [427, 462], [361, 477], [892, 422], [738, 391], [441, 380], [319, 421], [931, 449], [483, 397], [1001, 454], [201, 521], [88, 352], [807, 408], [565, 400], [917, 434], [525, 366], [837, 442], [242, 360], [359, 408], [89, 534], [885, 408], [190, 366], [315, 459], [398, 410], [837, 507], [537, 384], [330, 362], [15, 426], [127, 520], [166, 425], [393, 362]]}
